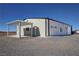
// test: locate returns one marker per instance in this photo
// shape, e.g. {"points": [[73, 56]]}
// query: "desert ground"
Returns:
{"points": [[39, 46]]}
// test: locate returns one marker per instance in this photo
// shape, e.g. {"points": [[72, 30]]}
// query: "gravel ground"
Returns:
{"points": [[37, 46]]}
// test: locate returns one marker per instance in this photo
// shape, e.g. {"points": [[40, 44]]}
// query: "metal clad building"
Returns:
{"points": [[41, 27]]}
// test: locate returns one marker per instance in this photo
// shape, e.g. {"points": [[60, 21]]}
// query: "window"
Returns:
{"points": [[53, 27], [27, 29]]}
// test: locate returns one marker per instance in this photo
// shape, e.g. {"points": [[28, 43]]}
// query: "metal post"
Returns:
{"points": [[19, 29], [31, 29], [7, 30]]}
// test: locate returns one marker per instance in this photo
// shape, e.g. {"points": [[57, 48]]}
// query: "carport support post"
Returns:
{"points": [[31, 29], [19, 29], [7, 30]]}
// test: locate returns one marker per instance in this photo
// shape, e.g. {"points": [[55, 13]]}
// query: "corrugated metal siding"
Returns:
{"points": [[56, 28]]}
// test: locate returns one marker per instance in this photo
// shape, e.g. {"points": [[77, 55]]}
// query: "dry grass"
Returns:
{"points": [[5, 33], [36, 46]]}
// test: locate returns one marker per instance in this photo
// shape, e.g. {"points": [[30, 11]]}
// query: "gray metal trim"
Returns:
{"points": [[48, 28]]}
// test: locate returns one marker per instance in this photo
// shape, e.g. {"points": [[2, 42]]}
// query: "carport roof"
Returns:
{"points": [[16, 22]]}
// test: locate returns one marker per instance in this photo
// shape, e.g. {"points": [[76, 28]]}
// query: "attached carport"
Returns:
{"points": [[18, 23]]}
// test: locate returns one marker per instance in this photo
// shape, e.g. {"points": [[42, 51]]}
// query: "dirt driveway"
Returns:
{"points": [[36, 46]]}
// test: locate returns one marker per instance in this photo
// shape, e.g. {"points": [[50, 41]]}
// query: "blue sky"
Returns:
{"points": [[68, 13]]}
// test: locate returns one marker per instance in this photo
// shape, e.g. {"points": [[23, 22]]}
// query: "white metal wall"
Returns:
{"points": [[69, 30], [54, 28], [39, 23]]}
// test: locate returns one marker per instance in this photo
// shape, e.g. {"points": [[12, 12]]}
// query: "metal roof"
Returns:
{"points": [[48, 19], [17, 21]]}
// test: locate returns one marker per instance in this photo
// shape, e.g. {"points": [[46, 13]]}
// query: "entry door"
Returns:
{"points": [[27, 31]]}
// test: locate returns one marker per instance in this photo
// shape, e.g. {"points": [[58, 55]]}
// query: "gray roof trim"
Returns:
{"points": [[59, 22]]}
